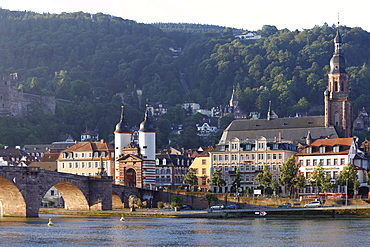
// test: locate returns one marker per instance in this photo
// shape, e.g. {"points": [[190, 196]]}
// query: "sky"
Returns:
{"points": [[249, 15]]}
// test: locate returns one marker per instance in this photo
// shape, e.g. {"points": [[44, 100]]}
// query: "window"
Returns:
{"points": [[214, 158], [280, 156], [226, 168], [322, 149], [226, 157], [308, 175], [274, 167], [342, 161], [83, 165], [308, 163], [247, 157], [204, 171], [62, 165], [274, 156], [336, 149], [268, 156], [233, 157], [253, 168], [247, 168], [322, 161], [76, 165], [76, 155], [314, 162], [96, 164], [241, 168], [335, 175], [260, 156], [308, 150], [328, 163], [253, 157], [89, 165], [335, 162], [70, 165], [220, 157], [204, 181], [261, 145], [204, 161], [196, 170], [234, 146], [275, 146], [82, 155], [241, 157]]}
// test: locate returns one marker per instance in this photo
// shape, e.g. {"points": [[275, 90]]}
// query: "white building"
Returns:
{"points": [[334, 154]]}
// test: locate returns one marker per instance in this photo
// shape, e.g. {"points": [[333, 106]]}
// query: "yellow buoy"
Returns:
{"points": [[50, 222], [122, 218]]}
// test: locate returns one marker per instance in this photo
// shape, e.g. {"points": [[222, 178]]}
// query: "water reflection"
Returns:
{"points": [[110, 231]]}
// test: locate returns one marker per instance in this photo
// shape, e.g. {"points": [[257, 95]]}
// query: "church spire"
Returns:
{"points": [[338, 105], [338, 62]]}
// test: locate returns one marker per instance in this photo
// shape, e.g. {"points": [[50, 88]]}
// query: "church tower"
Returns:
{"points": [[338, 105], [147, 149]]}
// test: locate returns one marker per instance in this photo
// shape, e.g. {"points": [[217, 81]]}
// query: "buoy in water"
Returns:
{"points": [[50, 222], [122, 218]]}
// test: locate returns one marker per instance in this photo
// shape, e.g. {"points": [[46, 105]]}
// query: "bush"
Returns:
{"points": [[160, 205], [176, 201]]}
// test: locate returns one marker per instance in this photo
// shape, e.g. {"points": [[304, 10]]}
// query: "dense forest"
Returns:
{"points": [[95, 60]]}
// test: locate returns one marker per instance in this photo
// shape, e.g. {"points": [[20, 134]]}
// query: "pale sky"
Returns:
{"points": [[250, 15]]}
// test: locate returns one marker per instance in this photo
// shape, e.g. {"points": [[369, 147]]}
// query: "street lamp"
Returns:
{"points": [[346, 191]]}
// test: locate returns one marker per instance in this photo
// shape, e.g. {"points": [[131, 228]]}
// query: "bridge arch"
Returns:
{"points": [[116, 201], [11, 199], [74, 198]]}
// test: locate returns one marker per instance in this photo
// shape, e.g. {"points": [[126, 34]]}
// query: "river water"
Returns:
{"points": [[134, 231]]}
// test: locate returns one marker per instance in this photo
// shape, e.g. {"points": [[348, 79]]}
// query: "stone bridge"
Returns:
{"points": [[23, 188]]}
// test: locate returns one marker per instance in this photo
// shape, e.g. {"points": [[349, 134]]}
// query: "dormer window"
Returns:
{"points": [[308, 150], [248, 147], [322, 149], [336, 149], [275, 146]]}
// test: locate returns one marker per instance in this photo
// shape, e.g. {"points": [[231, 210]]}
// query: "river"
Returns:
{"points": [[136, 231]]}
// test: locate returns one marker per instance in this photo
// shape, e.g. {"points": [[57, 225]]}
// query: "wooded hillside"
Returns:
{"points": [[89, 58]]}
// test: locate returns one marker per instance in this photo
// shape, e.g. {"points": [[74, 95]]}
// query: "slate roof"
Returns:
{"points": [[293, 129]]}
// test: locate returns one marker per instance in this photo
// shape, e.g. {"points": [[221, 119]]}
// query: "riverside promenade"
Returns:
{"points": [[268, 212]]}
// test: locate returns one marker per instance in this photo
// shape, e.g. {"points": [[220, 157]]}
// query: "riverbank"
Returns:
{"points": [[326, 212]]}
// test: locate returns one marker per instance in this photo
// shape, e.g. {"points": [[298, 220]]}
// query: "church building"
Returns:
{"points": [[135, 163], [336, 122]]}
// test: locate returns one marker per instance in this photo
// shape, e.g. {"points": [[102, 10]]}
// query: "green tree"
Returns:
{"points": [[348, 176], [132, 200], [288, 172], [299, 181], [176, 202], [217, 180], [209, 197], [236, 181], [275, 186], [264, 178], [190, 178], [318, 176]]}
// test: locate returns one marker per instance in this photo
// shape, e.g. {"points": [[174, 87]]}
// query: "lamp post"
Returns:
{"points": [[346, 191]]}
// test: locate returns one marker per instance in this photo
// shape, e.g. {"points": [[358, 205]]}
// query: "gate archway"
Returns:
{"points": [[131, 177]]}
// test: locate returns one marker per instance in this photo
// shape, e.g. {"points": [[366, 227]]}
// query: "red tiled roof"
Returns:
{"points": [[343, 143]]}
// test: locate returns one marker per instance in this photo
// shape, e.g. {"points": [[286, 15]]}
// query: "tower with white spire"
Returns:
{"points": [[147, 150], [122, 135]]}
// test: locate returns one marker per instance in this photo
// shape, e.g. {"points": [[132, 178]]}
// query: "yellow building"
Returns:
{"points": [[87, 158], [202, 167]]}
